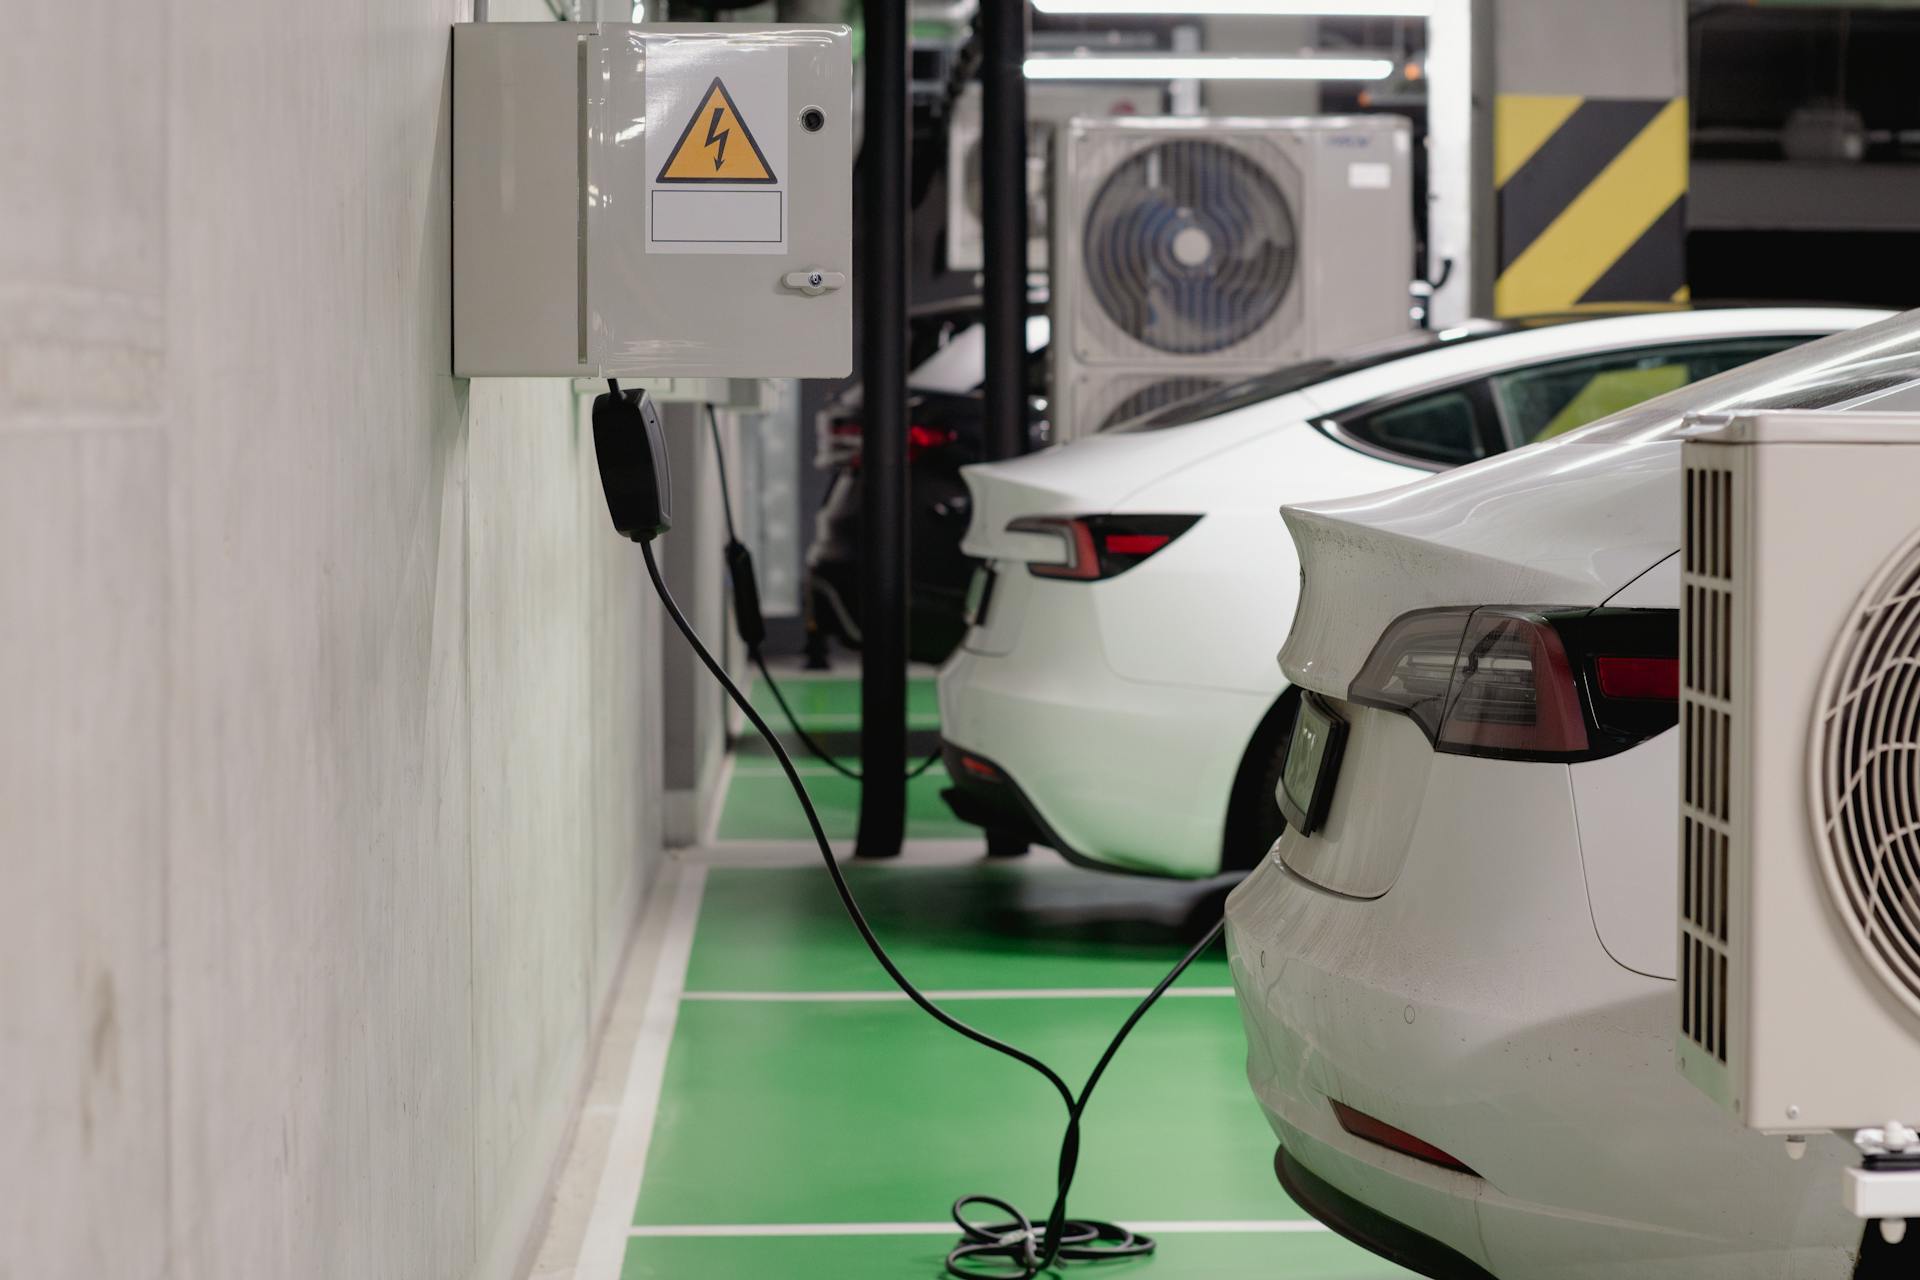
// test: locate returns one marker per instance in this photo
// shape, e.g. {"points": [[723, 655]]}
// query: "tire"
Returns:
{"points": [[1254, 820], [1002, 845]]}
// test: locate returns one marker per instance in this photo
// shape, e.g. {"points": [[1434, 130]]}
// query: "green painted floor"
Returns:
{"points": [[811, 1125], [759, 803]]}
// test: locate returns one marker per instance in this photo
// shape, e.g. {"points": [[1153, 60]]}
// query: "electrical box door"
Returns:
{"points": [[652, 200]]}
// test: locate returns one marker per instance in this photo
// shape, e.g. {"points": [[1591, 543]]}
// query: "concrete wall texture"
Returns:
{"points": [[329, 757]]}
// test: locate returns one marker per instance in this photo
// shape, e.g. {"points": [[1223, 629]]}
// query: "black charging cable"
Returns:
{"points": [[1016, 1248], [751, 624], [631, 451]]}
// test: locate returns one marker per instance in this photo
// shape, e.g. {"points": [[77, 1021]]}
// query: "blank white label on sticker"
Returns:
{"points": [[1370, 176], [717, 217]]}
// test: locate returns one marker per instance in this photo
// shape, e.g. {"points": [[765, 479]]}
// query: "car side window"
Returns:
{"points": [[1553, 399], [1446, 428]]}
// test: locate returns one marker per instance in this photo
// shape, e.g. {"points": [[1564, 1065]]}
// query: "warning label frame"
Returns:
{"points": [[697, 87]]}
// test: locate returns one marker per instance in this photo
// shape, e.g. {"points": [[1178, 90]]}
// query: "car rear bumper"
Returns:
{"points": [[1370, 1229], [1473, 1007], [1123, 774]]}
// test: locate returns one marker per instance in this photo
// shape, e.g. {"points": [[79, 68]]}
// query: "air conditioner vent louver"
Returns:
{"points": [[1799, 833], [1221, 249], [1865, 773], [1707, 740]]}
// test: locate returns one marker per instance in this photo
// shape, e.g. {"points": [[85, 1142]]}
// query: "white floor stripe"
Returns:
{"points": [[603, 1248], [759, 767], [1023, 993], [742, 1230]]}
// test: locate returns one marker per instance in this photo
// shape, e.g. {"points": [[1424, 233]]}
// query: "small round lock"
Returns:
{"points": [[813, 119], [815, 279]]}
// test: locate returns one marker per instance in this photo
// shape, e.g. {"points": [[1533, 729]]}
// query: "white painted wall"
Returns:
{"points": [[329, 701]]}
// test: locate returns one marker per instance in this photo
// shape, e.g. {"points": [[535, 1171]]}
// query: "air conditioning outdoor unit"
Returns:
{"points": [[1799, 993], [1188, 253], [1048, 106]]}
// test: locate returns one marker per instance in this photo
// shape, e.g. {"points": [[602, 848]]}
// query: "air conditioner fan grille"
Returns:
{"points": [[1190, 247], [1865, 773]]}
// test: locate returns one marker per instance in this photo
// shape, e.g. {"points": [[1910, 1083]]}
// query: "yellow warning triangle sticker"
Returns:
{"points": [[716, 145]]}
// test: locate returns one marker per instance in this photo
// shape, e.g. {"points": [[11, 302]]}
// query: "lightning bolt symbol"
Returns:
{"points": [[717, 135]]}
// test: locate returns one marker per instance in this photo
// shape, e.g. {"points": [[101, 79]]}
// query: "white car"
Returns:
{"points": [[1116, 697], [1457, 966]]}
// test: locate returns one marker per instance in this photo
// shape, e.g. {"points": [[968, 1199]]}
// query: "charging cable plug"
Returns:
{"points": [[632, 452], [751, 625]]}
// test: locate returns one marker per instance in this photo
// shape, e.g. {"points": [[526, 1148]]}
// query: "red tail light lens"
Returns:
{"points": [[1638, 678], [1097, 547], [1528, 684], [921, 439]]}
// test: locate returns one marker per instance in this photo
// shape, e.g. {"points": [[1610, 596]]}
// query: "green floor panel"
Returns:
{"points": [[833, 702], [1316, 1256], [760, 805], [985, 925], [871, 1112]]}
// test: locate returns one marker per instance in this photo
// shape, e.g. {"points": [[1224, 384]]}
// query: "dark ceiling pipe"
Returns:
{"points": [[1003, 218], [885, 163]]}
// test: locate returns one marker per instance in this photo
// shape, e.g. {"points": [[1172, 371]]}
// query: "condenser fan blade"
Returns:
{"points": [[1190, 247]]}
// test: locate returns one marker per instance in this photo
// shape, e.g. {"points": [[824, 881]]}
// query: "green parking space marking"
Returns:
{"points": [[833, 702], [871, 1112], [1200, 1256], [988, 925], [760, 805]]}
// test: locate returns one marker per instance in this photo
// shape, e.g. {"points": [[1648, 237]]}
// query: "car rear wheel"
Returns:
{"points": [[1254, 820]]}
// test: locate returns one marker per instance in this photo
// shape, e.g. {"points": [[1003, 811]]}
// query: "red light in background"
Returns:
{"points": [[924, 439]]}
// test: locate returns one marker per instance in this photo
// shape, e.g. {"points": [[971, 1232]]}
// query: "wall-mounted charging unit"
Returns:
{"points": [[652, 200], [660, 202]]}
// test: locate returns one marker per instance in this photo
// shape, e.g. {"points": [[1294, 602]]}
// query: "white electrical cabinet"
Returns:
{"points": [[652, 200]]}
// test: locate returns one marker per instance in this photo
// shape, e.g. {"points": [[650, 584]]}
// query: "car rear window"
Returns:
{"points": [[1297, 377], [1871, 362]]}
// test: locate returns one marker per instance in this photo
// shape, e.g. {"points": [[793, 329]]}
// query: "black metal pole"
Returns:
{"points": [[1003, 218], [884, 160]]}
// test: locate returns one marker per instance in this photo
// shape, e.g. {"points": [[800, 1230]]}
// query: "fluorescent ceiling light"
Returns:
{"points": [[1202, 66], [1250, 8]]}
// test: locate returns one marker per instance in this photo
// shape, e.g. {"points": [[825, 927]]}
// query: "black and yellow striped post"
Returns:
{"points": [[1592, 202]]}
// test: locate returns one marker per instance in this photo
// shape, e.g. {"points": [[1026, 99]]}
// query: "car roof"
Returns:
{"points": [[1479, 347]]}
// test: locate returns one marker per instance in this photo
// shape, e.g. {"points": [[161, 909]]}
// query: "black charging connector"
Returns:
{"points": [[1017, 1248], [751, 626], [747, 619], [632, 452]]}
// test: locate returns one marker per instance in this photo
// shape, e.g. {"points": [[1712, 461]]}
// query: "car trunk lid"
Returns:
{"points": [[1560, 524], [1092, 476]]}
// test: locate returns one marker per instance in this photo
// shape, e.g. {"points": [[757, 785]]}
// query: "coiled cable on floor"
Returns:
{"points": [[752, 627], [1014, 1249]]}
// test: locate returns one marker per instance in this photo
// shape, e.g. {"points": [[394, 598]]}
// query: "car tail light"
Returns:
{"points": [[974, 766], [921, 439], [1380, 1133], [1542, 683], [1096, 547]]}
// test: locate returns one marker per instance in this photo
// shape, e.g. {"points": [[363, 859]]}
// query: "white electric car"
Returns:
{"points": [[1116, 697], [1457, 965]]}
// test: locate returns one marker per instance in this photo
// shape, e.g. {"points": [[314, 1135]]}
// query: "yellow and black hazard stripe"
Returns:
{"points": [[1592, 202]]}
